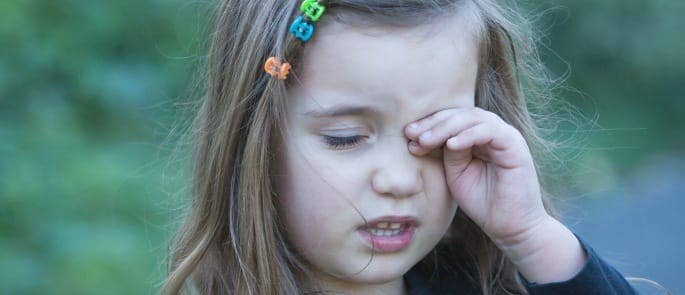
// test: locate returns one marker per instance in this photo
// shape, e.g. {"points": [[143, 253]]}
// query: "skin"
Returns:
{"points": [[427, 170]]}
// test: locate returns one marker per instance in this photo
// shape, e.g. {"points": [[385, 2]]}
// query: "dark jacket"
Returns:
{"points": [[596, 277]]}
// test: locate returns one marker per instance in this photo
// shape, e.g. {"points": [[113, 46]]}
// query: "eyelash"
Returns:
{"points": [[347, 141], [343, 142]]}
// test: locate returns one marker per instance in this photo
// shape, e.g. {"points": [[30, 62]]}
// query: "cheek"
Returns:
{"points": [[319, 222], [441, 206], [314, 200], [313, 178]]}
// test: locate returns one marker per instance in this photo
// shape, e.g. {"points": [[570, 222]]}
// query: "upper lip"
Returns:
{"points": [[392, 219]]}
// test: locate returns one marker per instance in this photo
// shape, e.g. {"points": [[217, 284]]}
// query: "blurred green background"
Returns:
{"points": [[89, 190]]}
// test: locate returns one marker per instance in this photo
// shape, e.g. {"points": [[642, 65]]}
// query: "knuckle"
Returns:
{"points": [[493, 117], [487, 128], [485, 115], [512, 130], [515, 132], [472, 114], [473, 131], [444, 113], [474, 110]]}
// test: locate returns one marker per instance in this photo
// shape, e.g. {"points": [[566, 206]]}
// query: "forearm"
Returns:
{"points": [[547, 253]]}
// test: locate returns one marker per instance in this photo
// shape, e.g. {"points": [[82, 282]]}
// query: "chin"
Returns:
{"points": [[378, 277], [382, 269]]}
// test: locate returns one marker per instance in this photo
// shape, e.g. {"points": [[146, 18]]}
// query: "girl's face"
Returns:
{"points": [[344, 158]]}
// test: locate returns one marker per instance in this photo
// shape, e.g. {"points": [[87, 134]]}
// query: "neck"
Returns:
{"points": [[333, 285]]}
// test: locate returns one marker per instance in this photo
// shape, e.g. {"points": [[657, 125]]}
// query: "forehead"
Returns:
{"points": [[410, 71]]}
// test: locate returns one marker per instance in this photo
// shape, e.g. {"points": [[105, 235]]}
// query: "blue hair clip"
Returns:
{"points": [[303, 26], [302, 29]]}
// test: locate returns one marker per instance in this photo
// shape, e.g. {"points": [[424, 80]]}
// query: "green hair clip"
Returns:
{"points": [[303, 26]]}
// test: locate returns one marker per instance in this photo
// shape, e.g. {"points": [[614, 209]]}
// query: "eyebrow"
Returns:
{"points": [[344, 110]]}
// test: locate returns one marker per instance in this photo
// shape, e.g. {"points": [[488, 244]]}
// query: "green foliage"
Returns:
{"points": [[86, 94], [626, 59]]}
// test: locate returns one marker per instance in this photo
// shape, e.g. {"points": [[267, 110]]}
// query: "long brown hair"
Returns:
{"points": [[231, 240]]}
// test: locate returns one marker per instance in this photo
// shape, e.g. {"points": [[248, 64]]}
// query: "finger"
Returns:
{"points": [[415, 129], [416, 149], [497, 144], [477, 135], [451, 126], [498, 136]]}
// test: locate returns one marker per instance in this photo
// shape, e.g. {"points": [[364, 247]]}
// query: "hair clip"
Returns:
{"points": [[312, 9], [303, 26], [276, 68]]}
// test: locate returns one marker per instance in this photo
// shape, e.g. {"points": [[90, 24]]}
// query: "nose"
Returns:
{"points": [[398, 172]]}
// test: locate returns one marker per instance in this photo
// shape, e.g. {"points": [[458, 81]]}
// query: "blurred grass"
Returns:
{"points": [[86, 103]]}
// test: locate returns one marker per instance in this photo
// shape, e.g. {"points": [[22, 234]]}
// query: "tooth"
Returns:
{"points": [[396, 231], [386, 233], [374, 231], [382, 225], [395, 225]]}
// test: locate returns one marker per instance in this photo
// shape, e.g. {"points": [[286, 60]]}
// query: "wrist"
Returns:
{"points": [[525, 243], [547, 252]]}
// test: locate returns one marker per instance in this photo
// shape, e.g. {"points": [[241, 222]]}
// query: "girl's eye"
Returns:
{"points": [[343, 142]]}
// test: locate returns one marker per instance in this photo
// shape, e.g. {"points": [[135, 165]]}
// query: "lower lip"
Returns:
{"points": [[388, 244]]}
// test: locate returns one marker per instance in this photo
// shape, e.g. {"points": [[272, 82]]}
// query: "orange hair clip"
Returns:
{"points": [[275, 68]]}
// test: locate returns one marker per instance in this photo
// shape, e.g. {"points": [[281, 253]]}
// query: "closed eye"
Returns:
{"points": [[343, 142]]}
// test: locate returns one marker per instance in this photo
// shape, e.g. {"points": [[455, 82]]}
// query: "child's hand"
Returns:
{"points": [[488, 168], [490, 172]]}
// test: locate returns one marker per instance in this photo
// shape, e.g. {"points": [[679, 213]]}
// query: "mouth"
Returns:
{"points": [[389, 233], [390, 222], [387, 229]]}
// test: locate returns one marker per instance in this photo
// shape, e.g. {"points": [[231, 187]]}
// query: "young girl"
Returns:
{"points": [[373, 147]]}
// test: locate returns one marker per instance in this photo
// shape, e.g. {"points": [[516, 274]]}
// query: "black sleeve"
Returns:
{"points": [[596, 277]]}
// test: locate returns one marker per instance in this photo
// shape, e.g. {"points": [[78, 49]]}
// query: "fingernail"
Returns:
{"points": [[414, 146], [451, 142], [425, 136], [413, 126]]}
